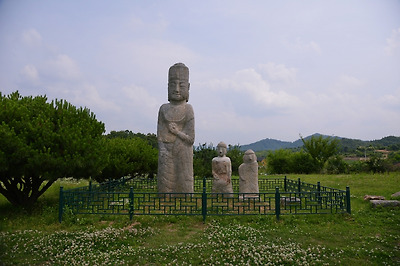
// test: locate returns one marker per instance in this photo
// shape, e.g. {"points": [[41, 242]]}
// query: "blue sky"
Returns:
{"points": [[258, 69]]}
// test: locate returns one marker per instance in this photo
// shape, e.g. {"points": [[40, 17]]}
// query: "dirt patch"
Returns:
{"points": [[107, 222], [130, 226]]}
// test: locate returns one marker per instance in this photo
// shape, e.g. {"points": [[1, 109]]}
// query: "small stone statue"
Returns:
{"points": [[248, 174], [222, 171], [175, 134]]}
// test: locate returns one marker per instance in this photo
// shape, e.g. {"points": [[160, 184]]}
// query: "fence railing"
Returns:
{"points": [[278, 196]]}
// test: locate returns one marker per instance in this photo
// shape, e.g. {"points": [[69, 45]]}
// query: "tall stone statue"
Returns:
{"points": [[175, 134], [248, 174], [222, 171]]}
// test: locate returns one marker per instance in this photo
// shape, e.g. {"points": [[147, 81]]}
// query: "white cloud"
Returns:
{"points": [[88, 95], [251, 83], [30, 73], [300, 46], [347, 84], [227, 126], [31, 37], [140, 99], [350, 113], [62, 67], [145, 59], [314, 46], [391, 100], [352, 81], [393, 42], [279, 72]]}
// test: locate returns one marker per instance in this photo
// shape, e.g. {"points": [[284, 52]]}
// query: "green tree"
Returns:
{"points": [[301, 163], [336, 165], [394, 160], [41, 142], [151, 138], [129, 157], [285, 161], [279, 161], [202, 157], [320, 149], [236, 156], [377, 164], [357, 167]]}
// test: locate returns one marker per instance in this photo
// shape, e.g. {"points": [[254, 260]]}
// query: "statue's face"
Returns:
{"points": [[178, 89], [249, 158], [178, 83], [221, 151]]}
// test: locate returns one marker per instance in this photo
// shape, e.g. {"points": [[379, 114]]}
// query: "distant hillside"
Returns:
{"points": [[346, 144], [270, 145], [391, 143], [273, 144]]}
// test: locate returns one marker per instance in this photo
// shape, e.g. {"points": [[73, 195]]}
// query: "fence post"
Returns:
{"points": [[348, 207], [277, 203], [204, 201], [131, 203], [61, 205], [319, 192], [299, 185]]}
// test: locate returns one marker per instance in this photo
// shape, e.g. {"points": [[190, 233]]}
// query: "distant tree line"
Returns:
{"points": [[321, 154], [346, 146]]}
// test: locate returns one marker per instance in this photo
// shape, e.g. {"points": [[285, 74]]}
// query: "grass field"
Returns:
{"points": [[366, 237]]}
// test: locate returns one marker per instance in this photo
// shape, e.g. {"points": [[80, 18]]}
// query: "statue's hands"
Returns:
{"points": [[215, 176], [173, 128]]}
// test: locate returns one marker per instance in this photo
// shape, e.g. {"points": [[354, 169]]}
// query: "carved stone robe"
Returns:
{"points": [[175, 158]]}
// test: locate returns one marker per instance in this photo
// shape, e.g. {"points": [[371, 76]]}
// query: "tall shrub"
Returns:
{"points": [[41, 141]]}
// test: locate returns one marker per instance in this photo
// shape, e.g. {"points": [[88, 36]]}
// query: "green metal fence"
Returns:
{"points": [[278, 196]]}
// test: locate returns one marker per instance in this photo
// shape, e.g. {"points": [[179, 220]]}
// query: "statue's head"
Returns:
{"points": [[221, 148], [249, 157], [178, 83]]}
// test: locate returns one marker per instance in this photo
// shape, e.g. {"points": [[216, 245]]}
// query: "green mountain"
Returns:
{"points": [[346, 144]]}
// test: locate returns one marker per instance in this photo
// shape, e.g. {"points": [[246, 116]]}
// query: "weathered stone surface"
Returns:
{"points": [[385, 203], [396, 195], [373, 197], [248, 174], [175, 134], [222, 171]]}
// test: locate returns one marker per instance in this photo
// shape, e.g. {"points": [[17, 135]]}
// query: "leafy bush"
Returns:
{"points": [[285, 161], [42, 141], [320, 148], [336, 165], [236, 156], [376, 164], [202, 157], [128, 157]]}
